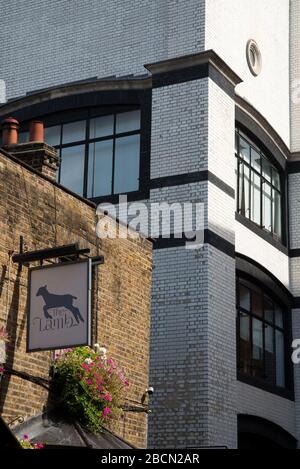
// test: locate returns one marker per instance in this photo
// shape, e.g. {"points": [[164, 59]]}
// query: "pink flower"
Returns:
{"points": [[87, 368], [110, 361], [108, 397], [88, 381], [26, 437], [106, 411], [2, 370], [100, 387]]}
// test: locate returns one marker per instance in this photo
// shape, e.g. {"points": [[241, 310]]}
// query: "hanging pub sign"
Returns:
{"points": [[59, 306]]}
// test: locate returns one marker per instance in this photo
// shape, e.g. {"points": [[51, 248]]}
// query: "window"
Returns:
{"points": [[259, 193], [261, 335], [100, 155]]}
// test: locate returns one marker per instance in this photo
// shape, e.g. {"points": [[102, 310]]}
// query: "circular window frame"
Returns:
{"points": [[252, 51]]}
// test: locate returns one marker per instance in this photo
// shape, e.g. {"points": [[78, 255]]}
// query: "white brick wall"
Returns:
{"points": [[45, 43]]}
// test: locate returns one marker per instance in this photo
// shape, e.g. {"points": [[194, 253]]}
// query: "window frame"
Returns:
{"points": [[247, 220], [75, 107], [288, 390]]}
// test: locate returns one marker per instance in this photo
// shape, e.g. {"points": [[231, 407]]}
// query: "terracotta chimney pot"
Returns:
{"points": [[36, 131], [10, 127]]}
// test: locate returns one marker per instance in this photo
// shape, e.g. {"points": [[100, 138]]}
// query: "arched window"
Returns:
{"points": [[263, 335], [99, 150], [259, 187]]}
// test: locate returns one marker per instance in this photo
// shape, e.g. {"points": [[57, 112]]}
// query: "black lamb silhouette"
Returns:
{"points": [[56, 301]]}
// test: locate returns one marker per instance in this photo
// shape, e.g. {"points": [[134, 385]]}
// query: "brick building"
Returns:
{"points": [[199, 97], [42, 214]]}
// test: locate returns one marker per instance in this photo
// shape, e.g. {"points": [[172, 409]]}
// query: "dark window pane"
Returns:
{"points": [[52, 135], [257, 305], [278, 316], [266, 169], [128, 121], [127, 162], [244, 150], [270, 364], [244, 344], [245, 191], [101, 126], [255, 160], [275, 178], [74, 131], [269, 309], [257, 349], [244, 298], [23, 137], [72, 168], [100, 168], [280, 371]]}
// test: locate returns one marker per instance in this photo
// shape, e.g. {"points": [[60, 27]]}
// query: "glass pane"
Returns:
{"points": [[245, 191], [266, 169], [100, 168], [244, 150], [278, 316], [128, 121], [101, 126], [280, 369], [244, 298], [255, 198], [270, 369], [72, 168], [277, 213], [23, 137], [236, 142], [275, 178], [52, 135], [74, 131], [127, 163], [257, 349], [267, 207], [255, 160], [269, 309], [257, 306], [244, 344]]}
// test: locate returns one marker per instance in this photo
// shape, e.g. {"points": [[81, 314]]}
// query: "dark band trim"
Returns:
{"points": [[209, 238], [296, 302], [261, 233], [293, 167], [194, 67], [294, 252], [190, 178]]}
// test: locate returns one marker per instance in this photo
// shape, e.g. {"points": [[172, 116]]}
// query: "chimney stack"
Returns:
{"points": [[10, 127], [36, 131], [37, 154]]}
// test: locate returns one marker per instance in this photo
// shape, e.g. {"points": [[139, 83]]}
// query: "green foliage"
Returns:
{"points": [[90, 386]]}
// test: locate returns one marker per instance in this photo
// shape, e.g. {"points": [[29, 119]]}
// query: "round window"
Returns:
{"points": [[253, 57]]}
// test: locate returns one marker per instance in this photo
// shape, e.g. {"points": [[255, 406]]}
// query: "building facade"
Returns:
{"points": [[186, 101], [39, 214]]}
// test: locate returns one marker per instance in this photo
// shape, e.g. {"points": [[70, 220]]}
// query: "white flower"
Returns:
{"points": [[88, 361]]}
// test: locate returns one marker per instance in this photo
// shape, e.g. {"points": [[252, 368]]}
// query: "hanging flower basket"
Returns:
{"points": [[90, 386]]}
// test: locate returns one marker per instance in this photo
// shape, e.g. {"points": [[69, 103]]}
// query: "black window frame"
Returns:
{"points": [[288, 390], [77, 107], [247, 220]]}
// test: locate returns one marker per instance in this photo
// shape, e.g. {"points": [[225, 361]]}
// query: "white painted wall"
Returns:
{"points": [[295, 74], [229, 25], [251, 245]]}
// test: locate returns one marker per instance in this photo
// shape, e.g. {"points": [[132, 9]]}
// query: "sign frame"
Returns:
{"points": [[87, 341]]}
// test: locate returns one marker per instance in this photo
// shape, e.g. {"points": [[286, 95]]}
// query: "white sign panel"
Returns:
{"points": [[59, 306]]}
